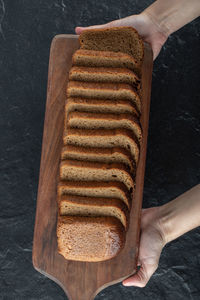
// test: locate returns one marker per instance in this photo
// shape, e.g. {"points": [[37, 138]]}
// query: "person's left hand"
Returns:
{"points": [[152, 241], [150, 31]]}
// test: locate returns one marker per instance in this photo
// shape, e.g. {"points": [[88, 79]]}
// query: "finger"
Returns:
{"points": [[141, 278], [78, 30], [156, 50]]}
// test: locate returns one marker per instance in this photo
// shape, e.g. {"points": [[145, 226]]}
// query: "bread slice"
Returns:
{"points": [[89, 239], [104, 121], [100, 106], [118, 39], [102, 74], [93, 171], [112, 189], [95, 58], [114, 91], [107, 138], [106, 155], [73, 205]]}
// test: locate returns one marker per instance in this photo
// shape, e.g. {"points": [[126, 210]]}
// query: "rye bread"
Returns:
{"points": [[100, 106], [112, 91], [107, 155], [95, 58], [112, 189], [118, 39], [107, 138], [89, 239], [102, 121], [73, 205], [102, 74], [74, 170]]}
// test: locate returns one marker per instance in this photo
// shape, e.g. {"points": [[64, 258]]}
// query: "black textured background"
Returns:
{"points": [[173, 160]]}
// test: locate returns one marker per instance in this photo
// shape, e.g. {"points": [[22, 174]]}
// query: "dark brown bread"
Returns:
{"points": [[94, 58], [112, 189], [93, 171], [73, 205], [112, 91], [107, 138], [100, 106], [118, 39], [89, 239], [102, 74], [102, 121], [101, 138], [106, 155]]}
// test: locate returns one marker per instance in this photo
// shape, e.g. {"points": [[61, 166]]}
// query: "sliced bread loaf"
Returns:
{"points": [[94, 171], [115, 91], [104, 121], [107, 155], [89, 238], [73, 205], [100, 106], [95, 58], [112, 189], [102, 74], [118, 39], [107, 138]]}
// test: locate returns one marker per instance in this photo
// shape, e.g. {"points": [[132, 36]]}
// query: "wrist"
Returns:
{"points": [[165, 223], [153, 218], [180, 215], [171, 15], [156, 21]]}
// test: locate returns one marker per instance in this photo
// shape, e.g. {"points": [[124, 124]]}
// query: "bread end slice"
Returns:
{"points": [[118, 39], [90, 239]]}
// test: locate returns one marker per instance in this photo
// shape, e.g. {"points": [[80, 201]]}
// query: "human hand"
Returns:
{"points": [[161, 225], [152, 241], [148, 28]]}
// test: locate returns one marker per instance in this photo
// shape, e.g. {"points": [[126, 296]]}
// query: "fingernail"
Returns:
{"points": [[127, 283]]}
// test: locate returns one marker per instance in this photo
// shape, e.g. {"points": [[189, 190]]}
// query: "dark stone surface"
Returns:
{"points": [[173, 164]]}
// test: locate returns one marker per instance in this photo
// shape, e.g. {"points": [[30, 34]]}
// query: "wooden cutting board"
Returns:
{"points": [[80, 280]]}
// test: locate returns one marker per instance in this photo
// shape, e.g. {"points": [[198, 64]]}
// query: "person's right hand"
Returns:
{"points": [[148, 28], [152, 241]]}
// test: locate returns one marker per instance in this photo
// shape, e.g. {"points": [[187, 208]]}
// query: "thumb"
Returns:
{"points": [[142, 277], [78, 30]]}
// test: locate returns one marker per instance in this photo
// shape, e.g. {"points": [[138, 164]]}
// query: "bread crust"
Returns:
{"points": [[93, 206], [86, 120], [103, 138], [101, 90], [109, 155], [89, 171], [95, 58], [112, 189], [100, 105], [103, 74]]}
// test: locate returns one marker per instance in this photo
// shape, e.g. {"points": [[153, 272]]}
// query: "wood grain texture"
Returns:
{"points": [[80, 280]]}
